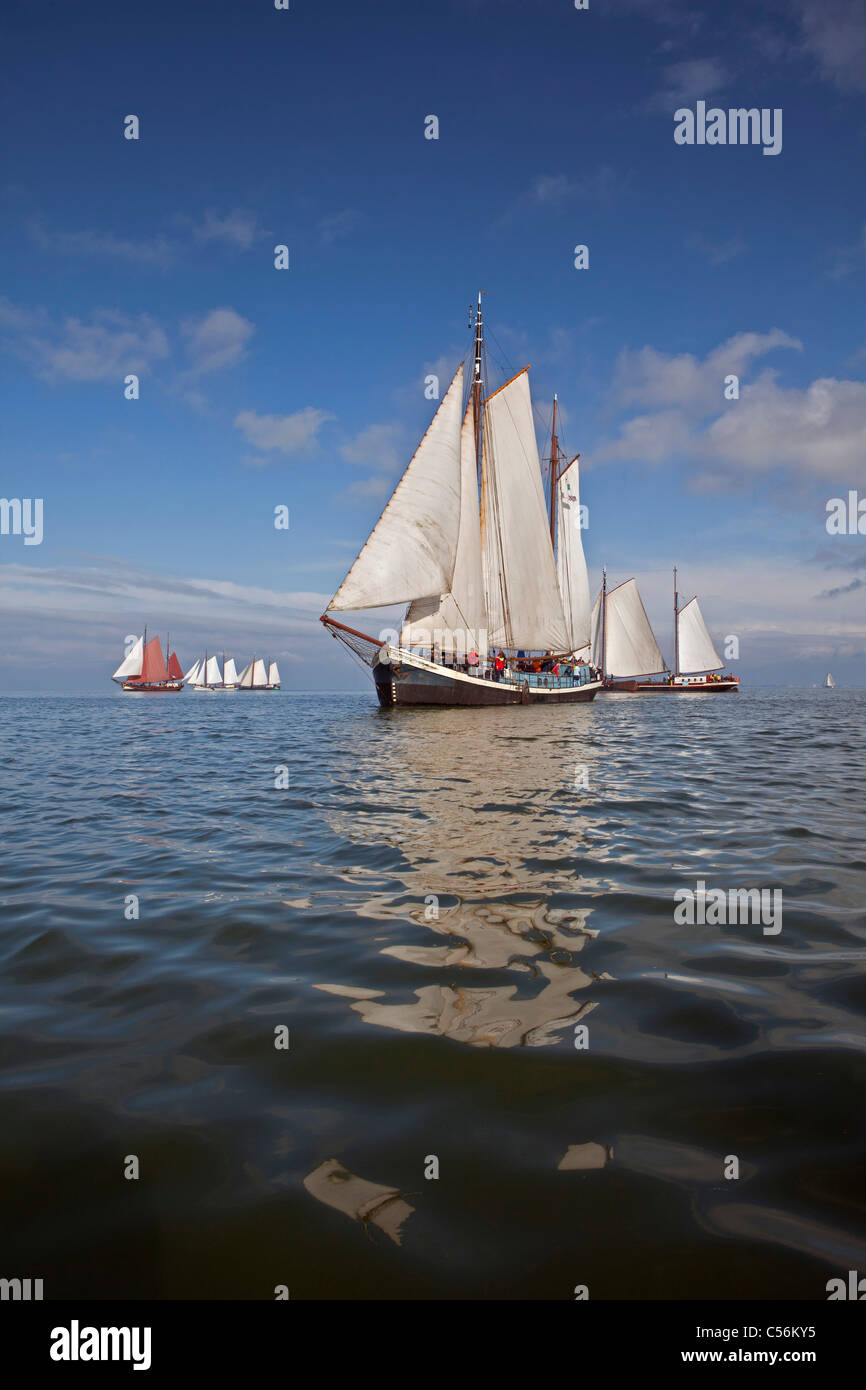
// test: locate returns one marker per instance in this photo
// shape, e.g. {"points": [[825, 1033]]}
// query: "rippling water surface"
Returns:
{"points": [[433, 907]]}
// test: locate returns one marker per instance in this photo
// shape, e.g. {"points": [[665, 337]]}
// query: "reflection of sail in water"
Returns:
{"points": [[364, 1201], [480, 880]]}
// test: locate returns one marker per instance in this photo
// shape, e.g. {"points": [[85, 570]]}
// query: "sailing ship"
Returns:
{"points": [[205, 674], [147, 671], [630, 656], [829, 683], [493, 574], [254, 676]]}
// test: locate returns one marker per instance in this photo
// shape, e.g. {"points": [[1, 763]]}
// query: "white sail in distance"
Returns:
{"points": [[570, 559], [412, 548], [273, 674], [246, 677], [524, 608], [461, 612], [230, 674], [260, 675], [694, 644], [630, 645], [213, 674], [192, 674], [131, 664]]}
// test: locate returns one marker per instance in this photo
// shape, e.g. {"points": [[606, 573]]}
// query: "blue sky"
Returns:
{"points": [[305, 387]]}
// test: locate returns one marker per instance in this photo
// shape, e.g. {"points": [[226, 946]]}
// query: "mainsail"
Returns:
{"points": [[153, 665], [213, 674], [260, 676], [630, 647], [131, 664], [570, 559], [273, 674], [524, 608], [412, 548], [230, 672], [695, 650], [461, 610]]}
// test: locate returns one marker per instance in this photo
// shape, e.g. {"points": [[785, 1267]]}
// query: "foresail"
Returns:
{"points": [[273, 674], [570, 559], [131, 664], [192, 674], [456, 620], [412, 549], [695, 645], [259, 674], [230, 672], [630, 645], [213, 674], [524, 609]]}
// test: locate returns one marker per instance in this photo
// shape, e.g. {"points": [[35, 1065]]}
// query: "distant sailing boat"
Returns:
{"points": [[146, 671], [206, 675], [631, 652], [829, 683], [254, 676], [482, 576]]}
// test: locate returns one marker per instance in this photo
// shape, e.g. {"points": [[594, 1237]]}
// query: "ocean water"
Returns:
{"points": [[465, 921]]}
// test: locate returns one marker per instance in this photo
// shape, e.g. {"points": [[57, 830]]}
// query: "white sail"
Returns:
{"points": [[230, 673], [829, 683], [131, 664], [194, 672], [260, 675], [695, 648], [595, 640], [630, 646], [213, 674], [460, 612], [246, 677], [412, 548], [524, 608], [570, 559], [273, 674]]}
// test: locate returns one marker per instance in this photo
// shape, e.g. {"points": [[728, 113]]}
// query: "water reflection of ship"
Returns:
{"points": [[502, 919]]}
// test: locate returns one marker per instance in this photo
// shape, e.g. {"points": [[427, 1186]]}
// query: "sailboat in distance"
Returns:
{"points": [[493, 616], [254, 676], [146, 671], [627, 640], [829, 683]]}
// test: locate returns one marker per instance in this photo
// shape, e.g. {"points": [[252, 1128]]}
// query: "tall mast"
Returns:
{"points": [[676, 629], [554, 460], [478, 380], [603, 624]]}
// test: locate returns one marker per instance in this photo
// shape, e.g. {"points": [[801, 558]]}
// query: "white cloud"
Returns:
{"points": [[338, 225], [834, 35], [216, 341], [239, 227], [156, 250], [818, 430], [108, 347], [376, 446], [683, 83], [285, 434]]}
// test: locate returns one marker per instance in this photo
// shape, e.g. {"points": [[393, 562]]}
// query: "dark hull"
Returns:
{"points": [[664, 688], [408, 684], [172, 689]]}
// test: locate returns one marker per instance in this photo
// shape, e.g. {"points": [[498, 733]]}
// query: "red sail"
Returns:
{"points": [[153, 666], [174, 668]]}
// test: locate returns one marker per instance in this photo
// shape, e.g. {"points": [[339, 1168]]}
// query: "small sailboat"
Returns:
{"points": [[273, 676], [145, 670], [627, 641], [492, 573], [206, 675], [829, 683], [254, 676]]}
